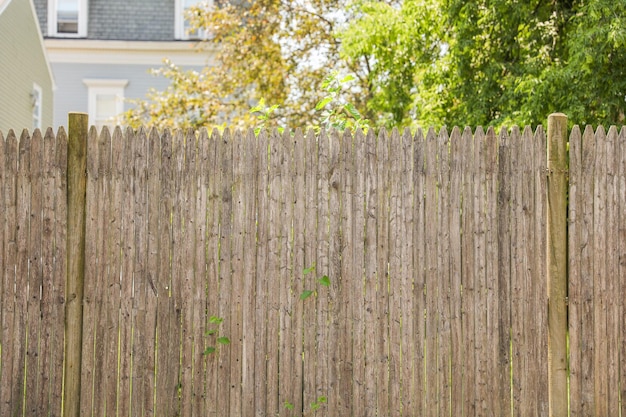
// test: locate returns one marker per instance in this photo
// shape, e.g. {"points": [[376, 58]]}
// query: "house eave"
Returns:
{"points": [[91, 51]]}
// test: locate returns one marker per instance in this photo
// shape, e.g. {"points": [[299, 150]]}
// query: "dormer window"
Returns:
{"points": [[182, 24], [67, 18]]}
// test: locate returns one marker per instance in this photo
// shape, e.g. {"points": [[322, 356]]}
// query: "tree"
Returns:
{"points": [[277, 50], [493, 62], [415, 62]]}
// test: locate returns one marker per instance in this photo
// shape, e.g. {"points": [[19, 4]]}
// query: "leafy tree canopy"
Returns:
{"points": [[415, 62]]}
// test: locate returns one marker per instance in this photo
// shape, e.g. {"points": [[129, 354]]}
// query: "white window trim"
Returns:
{"points": [[37, 103], [179, 22], [82, 20], [97, 86]]}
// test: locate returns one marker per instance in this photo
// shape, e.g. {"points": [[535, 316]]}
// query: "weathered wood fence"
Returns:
{"points": [[435, 246]]}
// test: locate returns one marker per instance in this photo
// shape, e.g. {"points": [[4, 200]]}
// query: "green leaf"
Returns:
{"points": [[223, 340], [353, 111], [321, 400], [209, 350], [323, 102], [305, 294], [256, 131], [216, 320], [347, 78], [210, 332], [288, 405], [315, 406], [325, 281], [308, 270]]}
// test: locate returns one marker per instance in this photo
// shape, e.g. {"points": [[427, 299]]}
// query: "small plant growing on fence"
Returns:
{"points": [[324, 280], [220, 340], [315, 405]]}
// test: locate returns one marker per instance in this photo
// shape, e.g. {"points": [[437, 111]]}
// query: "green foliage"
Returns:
{"points": [[324, 281], [338, 113], [315, 405], [412, 63], [222, 340]]}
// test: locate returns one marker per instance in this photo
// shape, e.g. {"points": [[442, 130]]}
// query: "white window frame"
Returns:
{"points": [[104, 86], [82, 20], [179, 23], [37, 102]]}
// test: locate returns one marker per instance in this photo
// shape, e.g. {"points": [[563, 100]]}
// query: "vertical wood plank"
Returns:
{"points": [[419, 273], [148, 336], [454, 220], [60, 264], [92, 286], [467, 274], [299, 170], [480, 304], [184, 263], [261, 384], [143, 330], [239, 276], [5, 298], [504, 274], [357, 290], [382, 273], [51, 306], [212, 249], [102, 272], [128, 253], [621, 152], [166, 372], [249, 270], [335, 307], [273, 273], [431, 216], [372, 337], [600, 350], [575, 291], [539, 354], [557, 268], [443, 288], [34, 372], [20, 272], [199, 290], [286, 332], [587, 272], [322, 300], [76, 185], [491, 290], [612, 271], [348, 274], [406, 226], [225, 389], [396, 238]]}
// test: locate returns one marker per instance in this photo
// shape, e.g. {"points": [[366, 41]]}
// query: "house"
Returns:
{"points": [[101, 51], [26, 82]]}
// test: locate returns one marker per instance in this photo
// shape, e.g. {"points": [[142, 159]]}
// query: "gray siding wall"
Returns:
{"points": [[145, 20], [22, 63], [75, 93]]}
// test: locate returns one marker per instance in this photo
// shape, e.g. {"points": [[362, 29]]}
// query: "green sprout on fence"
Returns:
{"points": [[325, 281], [314, 405], [221, 340]]}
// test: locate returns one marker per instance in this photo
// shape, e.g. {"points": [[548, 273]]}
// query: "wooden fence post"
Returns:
{"points": [[76, 199], [557, 264]]}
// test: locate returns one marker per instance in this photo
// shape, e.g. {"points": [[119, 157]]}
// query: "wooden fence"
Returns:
{"points": [[435, 246]]}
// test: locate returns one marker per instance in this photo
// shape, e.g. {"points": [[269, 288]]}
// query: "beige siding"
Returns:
{"points": [[22, 63]]}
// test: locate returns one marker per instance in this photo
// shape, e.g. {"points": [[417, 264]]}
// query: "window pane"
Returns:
{"points": [[67, 16], [106, 108]]}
